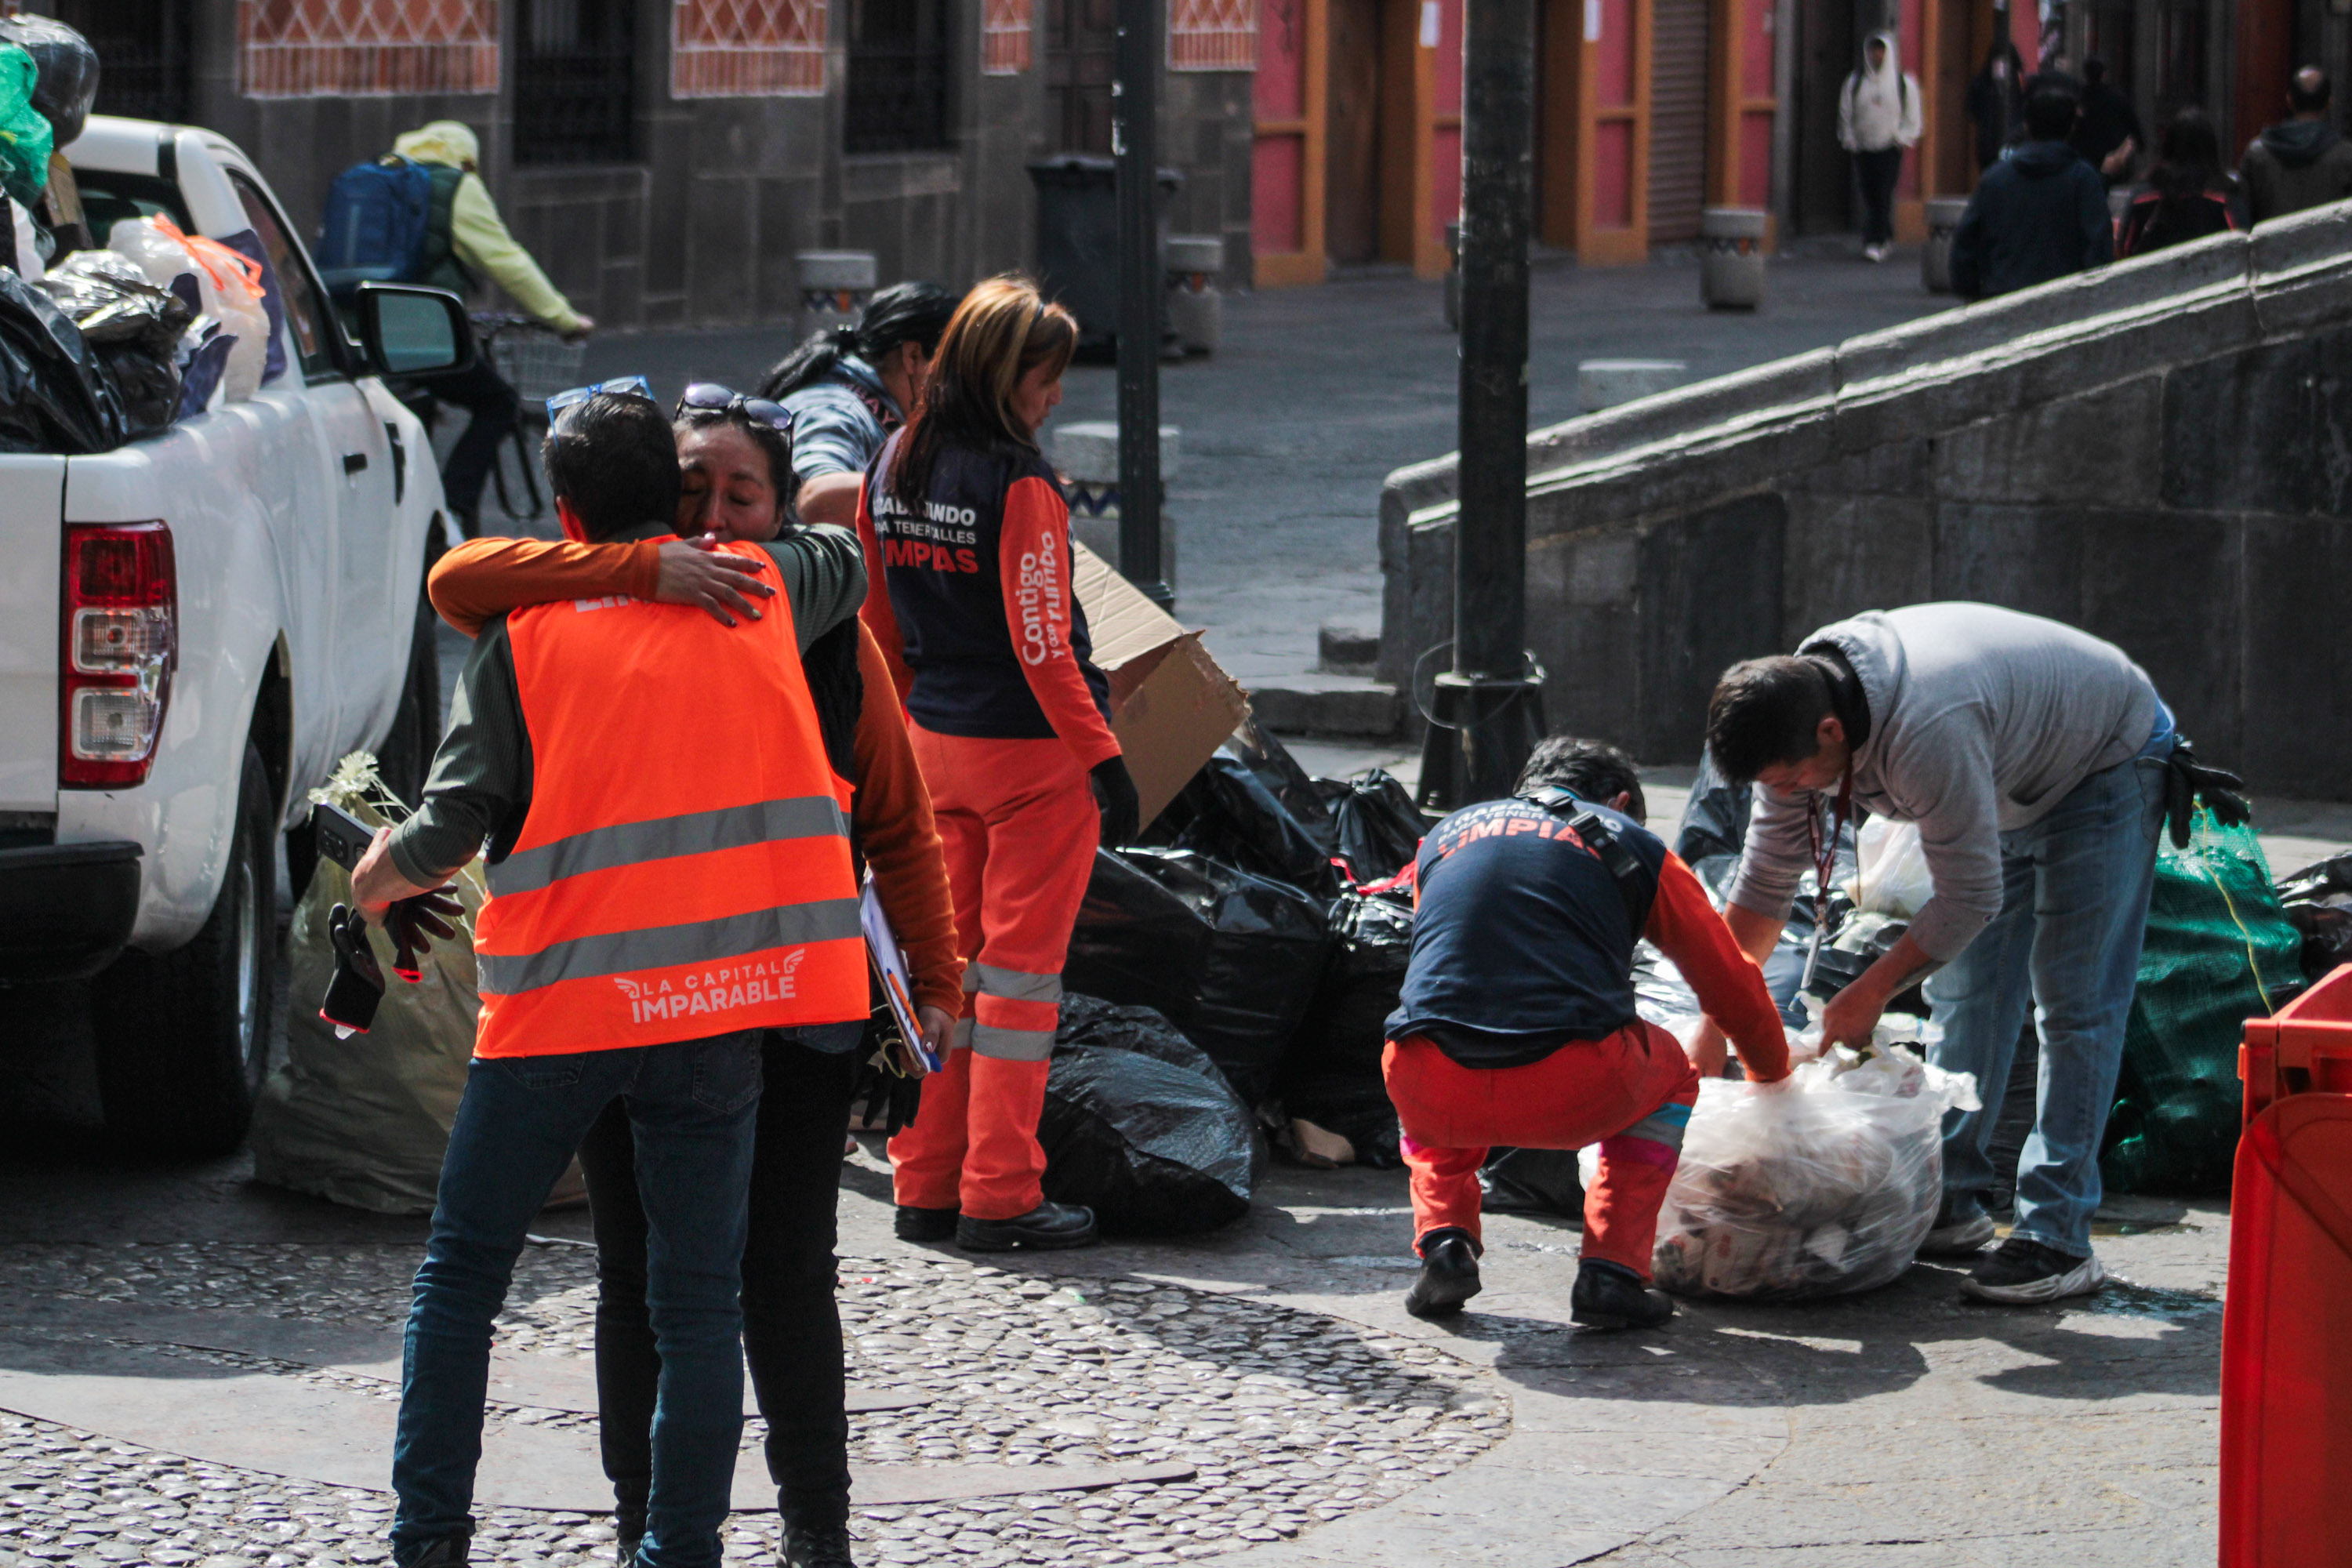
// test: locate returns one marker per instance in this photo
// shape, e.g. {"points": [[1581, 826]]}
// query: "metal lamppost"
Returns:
{"points": [[1487, 710], [1135, 146]]}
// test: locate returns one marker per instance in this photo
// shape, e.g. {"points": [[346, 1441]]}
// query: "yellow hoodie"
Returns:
{"points": [[478, 235]]}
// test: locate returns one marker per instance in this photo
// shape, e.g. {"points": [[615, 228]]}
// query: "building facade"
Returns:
{"points": [[1648, 112], [665, 158]]}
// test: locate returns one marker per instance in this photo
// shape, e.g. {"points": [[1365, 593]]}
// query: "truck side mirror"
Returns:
{"points": [[409, 331]]}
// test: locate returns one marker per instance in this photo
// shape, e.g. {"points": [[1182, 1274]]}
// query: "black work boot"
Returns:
{"points": [[1449, 1274], [1048, 1228], [911, 1224], [817, 1546], [1612, 1296]]}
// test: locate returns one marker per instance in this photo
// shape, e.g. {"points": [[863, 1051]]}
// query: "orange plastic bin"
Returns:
{"points": [[2286, 1331]]}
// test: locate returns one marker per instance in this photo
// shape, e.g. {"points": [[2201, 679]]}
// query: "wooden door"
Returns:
{"points": [[1081, 41], [1352, 224], [1677, 118]]}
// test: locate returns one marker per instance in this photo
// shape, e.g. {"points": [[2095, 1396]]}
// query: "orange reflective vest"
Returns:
{"points": [[684, 866]]}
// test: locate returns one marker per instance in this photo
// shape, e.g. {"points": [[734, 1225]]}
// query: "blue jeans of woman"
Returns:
{"points": [[2074, 910], [691, 1107]]}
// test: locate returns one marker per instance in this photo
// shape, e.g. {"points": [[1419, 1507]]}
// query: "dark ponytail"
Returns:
{"points": [[910, 313]]}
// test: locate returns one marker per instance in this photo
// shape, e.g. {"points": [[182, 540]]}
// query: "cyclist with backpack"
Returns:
{"points": [[422, 215]]}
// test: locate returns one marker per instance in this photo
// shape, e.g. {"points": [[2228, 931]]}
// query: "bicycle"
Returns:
{"points": [[537, 362]]}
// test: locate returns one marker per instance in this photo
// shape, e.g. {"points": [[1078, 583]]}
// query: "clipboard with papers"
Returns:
{"points": [[890, 967]]}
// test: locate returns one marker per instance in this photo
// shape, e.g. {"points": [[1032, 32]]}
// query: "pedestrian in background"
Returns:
{"points": [[849, 387], [2107, 133], [736, 462], [640, 935], [1878, 118], [2301, 162], [467, 243], [2039, 214], [964, 522], [2189, 196], [1996, 101]]}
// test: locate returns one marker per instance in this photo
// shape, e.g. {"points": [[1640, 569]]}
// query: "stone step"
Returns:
{"points": [[1343, 706]]}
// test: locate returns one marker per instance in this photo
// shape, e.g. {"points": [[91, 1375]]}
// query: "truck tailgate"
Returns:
{"points": [[32, 509]]}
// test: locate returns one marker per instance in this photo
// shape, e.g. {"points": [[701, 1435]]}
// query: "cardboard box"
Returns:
{"points": [[1170, 706]]}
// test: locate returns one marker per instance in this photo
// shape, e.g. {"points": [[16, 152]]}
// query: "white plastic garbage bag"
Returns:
{"points": [[228, 283], [1891, 876], [365, 1120], [1819, 1186], [28, 254]]}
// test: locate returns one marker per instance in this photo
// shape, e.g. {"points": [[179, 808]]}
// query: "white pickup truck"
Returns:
{"points": [[193, 630]]}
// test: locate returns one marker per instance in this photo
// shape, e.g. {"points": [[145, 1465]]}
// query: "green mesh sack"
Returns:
{"points": [[2218, 952], [24, 136]]}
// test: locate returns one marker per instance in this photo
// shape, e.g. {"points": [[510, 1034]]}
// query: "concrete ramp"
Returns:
{"points": [[2160, 452]]}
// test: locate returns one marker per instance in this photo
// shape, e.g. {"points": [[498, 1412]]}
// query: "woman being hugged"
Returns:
{"points": [[964, 523]]}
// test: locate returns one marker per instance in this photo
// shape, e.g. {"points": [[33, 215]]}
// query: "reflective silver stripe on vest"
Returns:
{"points": [[661, 947], [1013, 984], [666, 837]]}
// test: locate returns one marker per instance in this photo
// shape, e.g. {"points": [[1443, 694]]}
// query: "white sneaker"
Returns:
{"points": [[2022, 1273], [1874, 253]]}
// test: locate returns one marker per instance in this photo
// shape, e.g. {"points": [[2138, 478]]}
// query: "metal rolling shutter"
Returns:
{"points": [[1677, 118]]}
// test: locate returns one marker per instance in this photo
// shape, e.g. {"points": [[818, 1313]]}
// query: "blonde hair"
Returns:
{"points": [[1004, 331]]}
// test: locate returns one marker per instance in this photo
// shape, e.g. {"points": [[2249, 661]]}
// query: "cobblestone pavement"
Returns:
{"points": [[1291, 1419], [1325, 1427]]}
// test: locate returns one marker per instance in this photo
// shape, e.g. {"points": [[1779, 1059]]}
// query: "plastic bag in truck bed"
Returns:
{"points": [[365, 1122], [1820, 1187], [55, 397], [132, 326]]}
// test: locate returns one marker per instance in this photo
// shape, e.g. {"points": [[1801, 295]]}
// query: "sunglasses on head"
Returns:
{"points": [[619, 387], [710, 400]]}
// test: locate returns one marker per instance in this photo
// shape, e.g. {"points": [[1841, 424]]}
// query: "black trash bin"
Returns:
{"points": [[1078, 241]]}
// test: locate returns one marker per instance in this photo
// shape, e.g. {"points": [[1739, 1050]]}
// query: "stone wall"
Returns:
{"points": [[2159, 453]]}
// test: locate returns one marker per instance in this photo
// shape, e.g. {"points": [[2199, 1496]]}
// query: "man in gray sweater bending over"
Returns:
{"points": [[2037, 761]]}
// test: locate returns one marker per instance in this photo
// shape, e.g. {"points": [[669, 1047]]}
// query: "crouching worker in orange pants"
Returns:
{"points": [[1516, 1025], [964, 523]]}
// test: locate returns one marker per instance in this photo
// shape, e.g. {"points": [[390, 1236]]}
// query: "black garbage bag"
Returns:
{"points": [[1332, 1074], [55, 394], [1532, 1180], [2318, 903], [1379, 829], [67, 83], [1252, 805], [1714, 817], [133, 327], [1141, 1126], [1228, 957]]}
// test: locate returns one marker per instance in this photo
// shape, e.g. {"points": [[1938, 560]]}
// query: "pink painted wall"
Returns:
{"points": [[1277, 163]]}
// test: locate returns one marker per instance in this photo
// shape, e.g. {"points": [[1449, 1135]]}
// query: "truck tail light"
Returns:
{"points": [[121, 643]]}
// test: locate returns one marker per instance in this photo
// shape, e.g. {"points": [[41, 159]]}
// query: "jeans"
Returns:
{"points": [[496, 410], [2074, 910], [691, 1106], [1877, 173], [791, 1327]]}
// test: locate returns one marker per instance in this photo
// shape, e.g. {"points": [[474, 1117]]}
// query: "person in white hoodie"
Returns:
{"points": [[1878, 117]]}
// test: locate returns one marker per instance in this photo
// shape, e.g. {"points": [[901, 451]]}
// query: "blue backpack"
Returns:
{"points": [[378, 226]]}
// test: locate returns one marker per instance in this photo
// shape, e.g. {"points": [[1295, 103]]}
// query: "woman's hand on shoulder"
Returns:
{"points": [[697, 572]]}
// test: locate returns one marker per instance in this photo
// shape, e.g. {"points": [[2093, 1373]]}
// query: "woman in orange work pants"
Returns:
{"points": [[968, 545]]}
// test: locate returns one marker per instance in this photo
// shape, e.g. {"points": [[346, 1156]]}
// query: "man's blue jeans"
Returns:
{"points": [[2074, 910], [692, 1107]]}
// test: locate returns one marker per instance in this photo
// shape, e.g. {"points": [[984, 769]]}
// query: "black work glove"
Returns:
{"points": [[415, 923], [1115, 795], [358, 985], [2187, 781]]}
